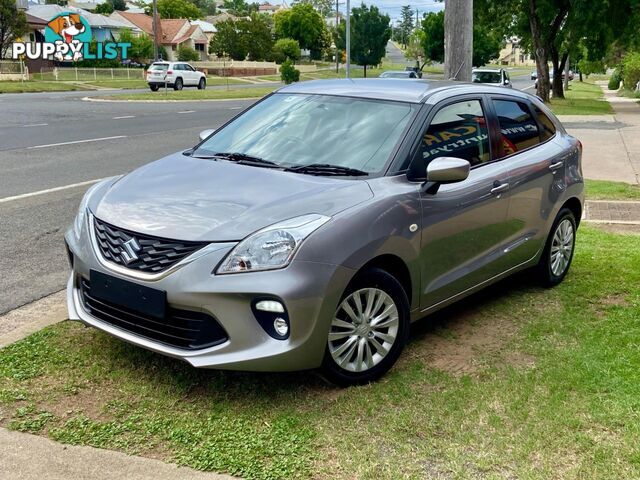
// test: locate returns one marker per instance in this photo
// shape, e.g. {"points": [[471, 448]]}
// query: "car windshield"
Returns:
{"points": [[159, 66], [292, 130], [486, 77]]}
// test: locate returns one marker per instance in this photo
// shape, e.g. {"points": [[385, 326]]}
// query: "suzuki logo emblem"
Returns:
{"points": [[130, 250]]}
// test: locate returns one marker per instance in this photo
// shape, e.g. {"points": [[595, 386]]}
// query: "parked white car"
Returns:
{"points": [[492, 76], [175, 75]]}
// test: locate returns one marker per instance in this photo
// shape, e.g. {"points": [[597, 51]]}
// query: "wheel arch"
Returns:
{"points": [[394, 266], [575, 206]]}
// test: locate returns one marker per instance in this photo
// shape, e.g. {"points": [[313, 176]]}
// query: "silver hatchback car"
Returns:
{"points": [[313, 228]]}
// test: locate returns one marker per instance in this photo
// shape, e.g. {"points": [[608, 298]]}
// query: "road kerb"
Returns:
{"points": [[28, 319]]}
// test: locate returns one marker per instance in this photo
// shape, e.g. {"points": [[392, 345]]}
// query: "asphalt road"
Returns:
{"points": [[52, 145], [48, 143]]}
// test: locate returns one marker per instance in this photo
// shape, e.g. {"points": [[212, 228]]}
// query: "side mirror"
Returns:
{"points": [[204, 134], [447, 170]]}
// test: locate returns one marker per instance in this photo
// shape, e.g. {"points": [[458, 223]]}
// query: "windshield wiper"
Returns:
{"points": [[246, 159], [327, 169]]}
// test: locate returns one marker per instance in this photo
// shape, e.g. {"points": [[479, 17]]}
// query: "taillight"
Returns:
{"points": [[169, 72]]}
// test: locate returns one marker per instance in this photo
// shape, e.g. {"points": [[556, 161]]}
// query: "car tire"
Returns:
{"points": [[356, 351], [178, 84], [202, 84], [559, 249], [154, 88]]}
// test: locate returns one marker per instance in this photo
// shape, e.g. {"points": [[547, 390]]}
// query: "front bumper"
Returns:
{"points": [[310, 291]]}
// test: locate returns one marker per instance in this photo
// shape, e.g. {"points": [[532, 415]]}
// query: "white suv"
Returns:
{"points": [[175, 75]]}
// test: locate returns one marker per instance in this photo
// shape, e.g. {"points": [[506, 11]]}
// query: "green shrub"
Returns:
{"points": [[187, 54], [614, 81], [286, 48], [288, 73], [631, 70]]}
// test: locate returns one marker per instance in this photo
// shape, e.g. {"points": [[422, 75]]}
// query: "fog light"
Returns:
{"points": [[270, 306], [281, 327]]}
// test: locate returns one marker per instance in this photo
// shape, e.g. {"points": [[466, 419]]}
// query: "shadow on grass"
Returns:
{"points": [[248, 388]]}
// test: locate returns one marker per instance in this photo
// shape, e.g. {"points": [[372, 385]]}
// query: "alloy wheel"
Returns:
{"points": [[363, 330], [561, 247]]}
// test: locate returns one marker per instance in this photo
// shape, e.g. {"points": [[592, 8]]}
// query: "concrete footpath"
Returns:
{"points": [[611, 142], [27, 457]]}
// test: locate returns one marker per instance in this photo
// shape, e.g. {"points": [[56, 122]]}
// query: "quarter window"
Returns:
{"points": [[457, 130], [518, 128], [548, 128]]}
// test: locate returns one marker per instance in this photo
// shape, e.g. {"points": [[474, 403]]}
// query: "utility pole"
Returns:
{"points": [[348, 25], [458, 39], [156, 30]]}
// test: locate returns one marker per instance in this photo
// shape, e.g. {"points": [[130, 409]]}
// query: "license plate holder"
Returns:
{"points": [[123, 293]]}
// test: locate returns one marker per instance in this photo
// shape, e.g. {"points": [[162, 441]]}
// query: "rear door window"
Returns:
{"points": [[548, 128], [518, 128]]}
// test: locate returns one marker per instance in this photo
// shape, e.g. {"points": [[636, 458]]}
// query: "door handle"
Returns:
{"points": [[499, 188], [555, 166]]}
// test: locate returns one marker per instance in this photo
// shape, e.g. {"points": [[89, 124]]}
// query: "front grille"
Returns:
{"points": [[152, 254], [180, 328]]}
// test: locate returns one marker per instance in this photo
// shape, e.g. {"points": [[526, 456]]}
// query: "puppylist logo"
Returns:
{"points": [[67, 37]]}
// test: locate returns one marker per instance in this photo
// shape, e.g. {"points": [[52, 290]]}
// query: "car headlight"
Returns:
{"points": [[79, 221], [272, 247]]}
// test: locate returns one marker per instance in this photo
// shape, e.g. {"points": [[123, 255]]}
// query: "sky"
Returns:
{"points": [[391, 7]]}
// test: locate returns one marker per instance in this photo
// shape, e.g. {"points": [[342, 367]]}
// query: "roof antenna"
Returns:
{"points": [[458, 71]]}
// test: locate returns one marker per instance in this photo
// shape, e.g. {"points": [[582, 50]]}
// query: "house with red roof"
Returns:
{"points": [[173, 32]]}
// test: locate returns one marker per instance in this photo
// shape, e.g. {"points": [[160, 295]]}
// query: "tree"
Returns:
{"points": [[187, 54], [244, 37], [228, 40], [406, 24], [433, 39], [486, 42], [141, 49], [258, 36], [105, 8], [13, 24], [415, 47], [286, 49], [302, 23], [554, 29], [178, 9], [288, 73], [324, 7], [370, 32], [119, 5], [240, 7], [486, 45]]}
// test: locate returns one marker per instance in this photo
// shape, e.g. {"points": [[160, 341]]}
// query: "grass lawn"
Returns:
{"points": [[194, 94], [582, 98], [515, 382], [37, 86], [604, 190]]}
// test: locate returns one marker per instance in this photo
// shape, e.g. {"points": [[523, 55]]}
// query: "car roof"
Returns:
{"points": [[411, 91]]}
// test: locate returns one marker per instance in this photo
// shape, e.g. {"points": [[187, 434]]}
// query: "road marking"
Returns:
{"points": [[35, 125], [187, 111], [236, 108], [77, 141], [527, 88], [48, 190], [124, 116]]}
